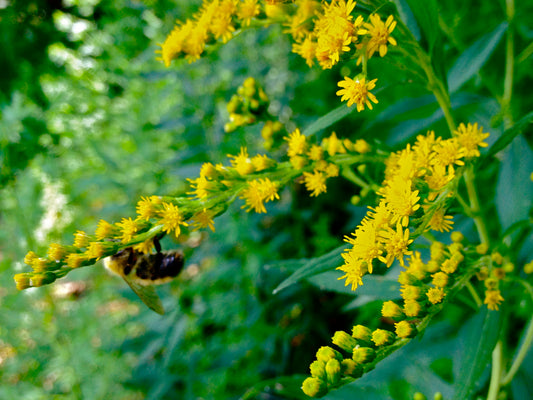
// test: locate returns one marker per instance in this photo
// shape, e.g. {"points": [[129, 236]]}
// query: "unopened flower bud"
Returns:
{"points": [[314, 387], [362, 355], [382, 337], [344, 341], [333, 371], [351, 368], [318, 369], [361, 332]]}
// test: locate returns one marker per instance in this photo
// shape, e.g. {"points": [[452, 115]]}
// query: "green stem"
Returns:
{"points": [[474, 294], [509, 66], [525, 346], [475, 207], [352, 177], [495, 375]]}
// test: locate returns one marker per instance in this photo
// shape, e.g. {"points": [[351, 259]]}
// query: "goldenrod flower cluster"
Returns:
{"points": [[419, 184], [254, 179], [324, 32], [424, 288]]}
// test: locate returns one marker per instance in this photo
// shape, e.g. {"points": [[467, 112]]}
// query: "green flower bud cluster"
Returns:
{"points": [[248, 106]]}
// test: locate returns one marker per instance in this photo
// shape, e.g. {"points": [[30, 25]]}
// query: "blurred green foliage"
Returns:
{"points": [[90, 121]]}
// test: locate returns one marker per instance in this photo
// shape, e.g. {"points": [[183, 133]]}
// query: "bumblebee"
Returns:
{"points": [[141, 271]]}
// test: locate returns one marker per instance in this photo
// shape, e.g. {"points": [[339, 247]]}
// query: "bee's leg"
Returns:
{"points": [[130, 262], [157, 244]]}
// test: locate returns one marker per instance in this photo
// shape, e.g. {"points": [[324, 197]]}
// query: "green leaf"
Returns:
{"points": [[481, 333], [426, 14], [374, 286], [473, 58], [508, 136], [513, 193], [328, 119], [286, 386], [312, 267], [408, 18]]}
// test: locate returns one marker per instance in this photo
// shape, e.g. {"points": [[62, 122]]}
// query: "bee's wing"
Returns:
{"points": [[147, 294]]}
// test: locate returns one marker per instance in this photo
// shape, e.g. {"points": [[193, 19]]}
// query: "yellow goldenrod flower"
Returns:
{"points": [[391, 310], [241, 162], [171, 219], [262, 162], [222, 27], [315, 182], [435, 295], [400, 199], [81, 239], [440, 222], [258, 192], [204, 219], [314, 387], [379, 34], [448, 153], [333, 372], [528, 268], [357, 92], [326, 353], [95, 250], [362, 332], [404, 329], [318, 369], [361, 146], [482, 248], [306, 49], [396, 243], [411, 292], [201, 187], [470, 138], [316, 152], [362, 355], [105, 229], [412, 308], [145, 247], [74, 260], [381, 337], [146, 208], [247, 10], [333, 145], [128, 228], [335, 31], [344, 341], [297, 143], [493, 298], [30, 256], [440, 279], [449, 266], [22, 281], [56, 252]]}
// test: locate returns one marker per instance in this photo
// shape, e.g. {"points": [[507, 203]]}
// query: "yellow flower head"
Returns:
{"points": [[258, 192], [470, 138], [493, 298], [306, 49], [248, 9], [315, 182], [357, 92], [128, 228], [441, 222], [241, 162], [297, 143], [379, 34], [171, 218]]}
